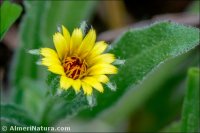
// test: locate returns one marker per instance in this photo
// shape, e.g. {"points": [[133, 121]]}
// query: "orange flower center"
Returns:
{"points": [[74, 67]]}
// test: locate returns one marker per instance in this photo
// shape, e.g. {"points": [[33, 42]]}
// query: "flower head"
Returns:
{"points": [[80, 61]]}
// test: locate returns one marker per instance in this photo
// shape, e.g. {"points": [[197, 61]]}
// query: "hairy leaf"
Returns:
{"points": [[12, 115], [144, 50]]}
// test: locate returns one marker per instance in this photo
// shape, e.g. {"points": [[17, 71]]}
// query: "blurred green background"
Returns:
{"points": [[151, 104]]}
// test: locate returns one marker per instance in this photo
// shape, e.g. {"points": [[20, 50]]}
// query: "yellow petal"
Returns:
{"points": [[48, 52], [103, 58], [87, 43], [94, 83], [57, 69], [76, 85], [101, 78], [66, 34], [102, 69], [65, 82], [98, 49], [48, 61], [60, 44], [86, 88], [76, 40]]}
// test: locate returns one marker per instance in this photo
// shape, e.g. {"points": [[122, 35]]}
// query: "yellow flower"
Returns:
{"points": [[79, 60]]}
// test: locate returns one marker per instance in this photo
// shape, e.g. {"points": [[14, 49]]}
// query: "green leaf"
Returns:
{"points": [[158, 97], [61, 104], [13, 115], [173, 127], [9, 14], [190, 114], [46, 104], [144, 50], [64, 106], [38, 26], [35, 97]]}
